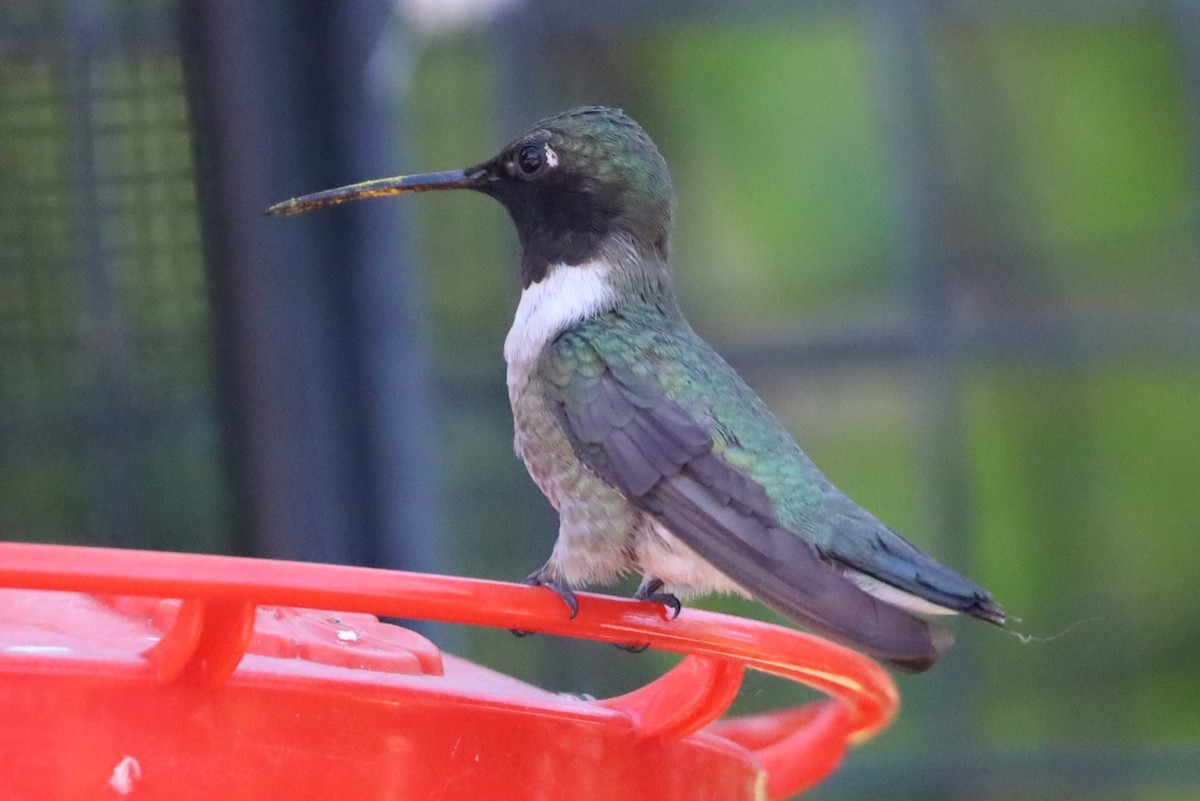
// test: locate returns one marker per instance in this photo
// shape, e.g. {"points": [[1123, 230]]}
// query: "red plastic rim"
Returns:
{"points": [[796, 747]]}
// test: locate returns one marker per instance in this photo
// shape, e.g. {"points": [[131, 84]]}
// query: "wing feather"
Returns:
{"points": [[664, 461]]}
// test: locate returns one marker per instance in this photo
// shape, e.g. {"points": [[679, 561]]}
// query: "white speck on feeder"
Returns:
{"points": [[127, 771]]}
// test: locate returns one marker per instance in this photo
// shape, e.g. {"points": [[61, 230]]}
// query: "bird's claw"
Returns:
{"points": [[668, 600], [650, 591], [564, 592]]}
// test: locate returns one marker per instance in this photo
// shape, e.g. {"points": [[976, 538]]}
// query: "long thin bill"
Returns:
{"points": [[452, 179]]}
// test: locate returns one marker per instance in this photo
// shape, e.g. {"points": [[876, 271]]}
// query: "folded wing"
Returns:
{"points": [[665, 461]]}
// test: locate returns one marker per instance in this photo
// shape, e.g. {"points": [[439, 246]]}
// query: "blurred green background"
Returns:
{"points": [[955, 247]]}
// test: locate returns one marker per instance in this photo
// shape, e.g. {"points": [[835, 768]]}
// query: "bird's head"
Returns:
{"points": [[580, 186]]}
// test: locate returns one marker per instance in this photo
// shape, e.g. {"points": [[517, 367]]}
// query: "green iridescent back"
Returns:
{"points": [[641, 343]]}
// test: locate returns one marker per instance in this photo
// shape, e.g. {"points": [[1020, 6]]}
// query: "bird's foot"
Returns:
{"points": [[650, 590], [539, 579]]}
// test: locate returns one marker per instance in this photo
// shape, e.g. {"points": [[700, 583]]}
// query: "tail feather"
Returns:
{"points": [[881, 556], [786, 573]]}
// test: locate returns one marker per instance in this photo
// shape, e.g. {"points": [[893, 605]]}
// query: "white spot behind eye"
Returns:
{"points": [[551, 157]]}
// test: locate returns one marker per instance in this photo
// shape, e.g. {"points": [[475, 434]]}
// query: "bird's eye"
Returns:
{"points": [[531, 158]]}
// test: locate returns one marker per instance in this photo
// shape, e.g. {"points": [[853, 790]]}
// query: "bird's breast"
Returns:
{"points": [[568, 294], [538, 437]]}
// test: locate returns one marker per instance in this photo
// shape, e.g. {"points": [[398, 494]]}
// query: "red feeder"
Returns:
{"points": [[174, 676]]}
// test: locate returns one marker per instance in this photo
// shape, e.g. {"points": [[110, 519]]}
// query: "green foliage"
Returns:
{"points": [[778, 163], [1101, 118], [1086, 513], [470, 246], [1076, 141], [42, 497]]}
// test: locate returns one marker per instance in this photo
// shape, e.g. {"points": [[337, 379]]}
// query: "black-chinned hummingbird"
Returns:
{"points": [[656, 454]]}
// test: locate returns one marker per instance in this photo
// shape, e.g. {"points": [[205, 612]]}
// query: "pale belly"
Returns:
{"points": [[597, 526], [601, 535]]}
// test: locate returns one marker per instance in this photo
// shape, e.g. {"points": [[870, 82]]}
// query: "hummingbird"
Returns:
{"points": [[660, 460]]}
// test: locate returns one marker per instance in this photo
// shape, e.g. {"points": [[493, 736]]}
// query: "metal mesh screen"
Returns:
{"points": [[106, 403]]}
